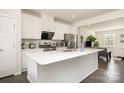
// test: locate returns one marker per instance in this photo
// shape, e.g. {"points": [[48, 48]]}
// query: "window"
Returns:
{"points": [[109, 39], [121, 38]]}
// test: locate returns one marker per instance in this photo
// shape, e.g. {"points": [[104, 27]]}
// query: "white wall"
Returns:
{"points": [[118, 48], [103, 26], [85, 27], [17, 14], [84, 32], [102, 18], [99, 29]]}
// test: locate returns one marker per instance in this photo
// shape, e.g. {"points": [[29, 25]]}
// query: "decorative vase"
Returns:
{"points": [[92, 44], [81, 49]]}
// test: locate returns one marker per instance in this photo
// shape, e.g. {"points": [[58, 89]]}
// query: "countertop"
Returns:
{"points": [[49, 57]]}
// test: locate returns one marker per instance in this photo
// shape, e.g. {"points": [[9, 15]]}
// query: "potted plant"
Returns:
{"points": [[92, 39], [81, 41], [96, 44]]}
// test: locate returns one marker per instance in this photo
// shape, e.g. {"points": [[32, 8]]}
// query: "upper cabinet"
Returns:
{"points": [[36, 27], [27, 26], [60, 29], [47, 22], [30, 26]]}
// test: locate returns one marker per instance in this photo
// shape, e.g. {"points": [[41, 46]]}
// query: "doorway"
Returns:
{"points": [[7, 46]]}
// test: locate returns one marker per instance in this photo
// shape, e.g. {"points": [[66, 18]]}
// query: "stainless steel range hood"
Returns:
{"points": [[45, 35]]}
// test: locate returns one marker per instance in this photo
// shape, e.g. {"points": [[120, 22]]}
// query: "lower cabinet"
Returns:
{"points": [[24, 63]]}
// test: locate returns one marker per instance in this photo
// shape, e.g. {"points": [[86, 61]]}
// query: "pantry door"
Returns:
{"points": [[7, 46]]}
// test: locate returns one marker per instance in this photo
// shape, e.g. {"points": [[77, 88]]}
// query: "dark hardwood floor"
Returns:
{"points": [[111, 72], [15, 79]]}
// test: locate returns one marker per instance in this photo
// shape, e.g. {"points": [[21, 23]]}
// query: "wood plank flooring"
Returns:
{"points": [[15, 79], [111, 72]]}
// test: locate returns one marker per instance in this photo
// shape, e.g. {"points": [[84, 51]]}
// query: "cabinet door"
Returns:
{"points": [[36, 27], [51, 25], [44, 22], [47, 23], [27, 25], [61, 29], [24, 62], [59, 35]]}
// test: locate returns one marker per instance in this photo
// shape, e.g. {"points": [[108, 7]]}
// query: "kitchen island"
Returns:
{"points": [[61, 67]]}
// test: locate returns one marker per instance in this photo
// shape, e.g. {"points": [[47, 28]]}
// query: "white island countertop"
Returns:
{"points": [[49, 57]]}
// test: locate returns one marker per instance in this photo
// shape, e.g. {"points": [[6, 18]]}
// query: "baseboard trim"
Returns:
{"points": [[18, 73], [88, 74], [23, 70], [29, 79]]}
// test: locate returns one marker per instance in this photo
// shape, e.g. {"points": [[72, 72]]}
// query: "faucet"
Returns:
{"points": [[70, 44]]}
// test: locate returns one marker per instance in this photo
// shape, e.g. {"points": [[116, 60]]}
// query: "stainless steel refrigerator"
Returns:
{"points": [[71, 40]]}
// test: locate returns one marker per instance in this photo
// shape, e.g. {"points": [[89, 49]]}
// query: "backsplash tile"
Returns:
{"points": [[28, 41]]}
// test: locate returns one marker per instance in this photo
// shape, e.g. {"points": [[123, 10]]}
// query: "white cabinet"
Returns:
{"points": [[33, 25], [59, 33], [30, 26], [36, 27], [60, 29], [47, 22], [24, 62], [27, 26]]}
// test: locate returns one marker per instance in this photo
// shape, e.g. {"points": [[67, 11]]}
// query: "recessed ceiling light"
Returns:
{"points": [[73, 16]]}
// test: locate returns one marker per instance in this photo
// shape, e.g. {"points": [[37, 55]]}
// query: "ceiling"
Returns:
{"points": [[79, 14], [111, 24]]}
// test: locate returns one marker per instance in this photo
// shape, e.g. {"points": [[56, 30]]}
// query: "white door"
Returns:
{"points": [[7, 50]]}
